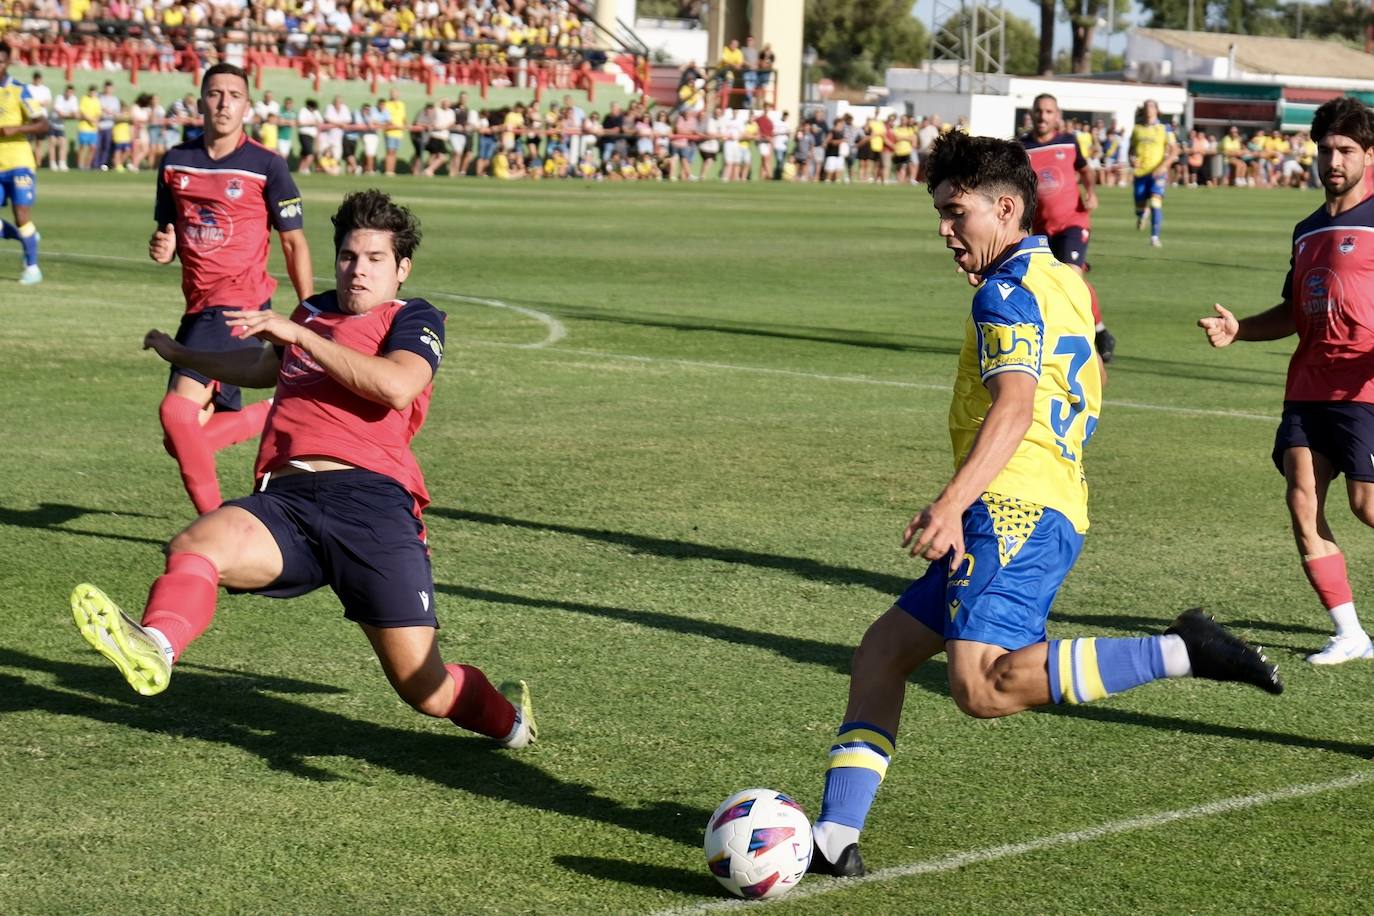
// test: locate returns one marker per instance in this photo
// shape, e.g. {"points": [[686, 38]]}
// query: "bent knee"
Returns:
{"points": [[979, 702], [433, 704]]}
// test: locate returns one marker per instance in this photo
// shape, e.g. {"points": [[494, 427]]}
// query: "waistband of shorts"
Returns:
{"points": [[312, 479]]}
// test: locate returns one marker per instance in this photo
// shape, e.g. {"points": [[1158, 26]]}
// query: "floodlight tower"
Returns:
{"points": [[973, 33]]}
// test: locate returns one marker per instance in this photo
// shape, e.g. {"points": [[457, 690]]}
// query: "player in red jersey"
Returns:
{"points": [[339, 492], [1328, 407], [1061, 213], [218, 199]]}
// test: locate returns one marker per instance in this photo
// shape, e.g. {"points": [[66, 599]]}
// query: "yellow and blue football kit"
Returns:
{"points": [[17, 164], [1150, 144], [1032, 314], [18, 178]]}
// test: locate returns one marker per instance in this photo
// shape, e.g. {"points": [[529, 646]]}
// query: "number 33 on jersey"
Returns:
{"points": [[1033, 314]]}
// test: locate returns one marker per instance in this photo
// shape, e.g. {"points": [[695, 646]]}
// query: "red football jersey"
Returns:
{"points": [[1330, 286], [1056, 164], [224, 211], [315, 414]]}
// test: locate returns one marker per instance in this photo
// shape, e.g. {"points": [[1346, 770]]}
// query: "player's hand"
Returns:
{"points": [[162, 247], [934, 532], [263, 324], [1221, 330], [162, 344], [1090, 200]]}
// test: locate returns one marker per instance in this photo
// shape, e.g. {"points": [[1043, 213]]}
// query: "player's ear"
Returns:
{"points": [[402, 270], [1007, 209]]}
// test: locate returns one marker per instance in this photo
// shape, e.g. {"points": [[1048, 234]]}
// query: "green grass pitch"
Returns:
{"points": [[675, 520]]}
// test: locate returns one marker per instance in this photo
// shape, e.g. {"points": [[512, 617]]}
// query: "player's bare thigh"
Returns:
{"points": [[893, 646], [186, 387], [988, 681], [1309, 475], [238, 543], [1361, 493], [410, 658]]}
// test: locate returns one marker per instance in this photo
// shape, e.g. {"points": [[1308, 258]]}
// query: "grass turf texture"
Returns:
{"points": [[679, 552]]}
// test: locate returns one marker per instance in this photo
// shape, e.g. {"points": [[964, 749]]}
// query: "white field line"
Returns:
{"points": [[869, 380], [554, 330], [816, 887]]}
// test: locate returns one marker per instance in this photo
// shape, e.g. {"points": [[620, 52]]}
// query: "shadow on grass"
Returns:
{"points": [[803, 333], [656, 877], [53, 516], [240, 711], [1174, 724], [889, 586], [930, 676]]}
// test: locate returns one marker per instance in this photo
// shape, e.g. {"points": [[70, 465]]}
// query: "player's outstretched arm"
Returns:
{"points": [[394, 379], [245, 368], [1272, 324], [940, 525], [296, 251]]}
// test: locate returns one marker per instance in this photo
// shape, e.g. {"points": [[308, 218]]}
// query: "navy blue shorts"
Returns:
{"points": [[206, 330], [1016, 555], [355, 531], [1342, 432], [1070, 246]]}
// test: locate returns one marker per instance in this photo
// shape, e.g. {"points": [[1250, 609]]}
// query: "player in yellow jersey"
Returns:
{"points": [[1154, 150], [20, 119], [395, 111], [1007, 527]]}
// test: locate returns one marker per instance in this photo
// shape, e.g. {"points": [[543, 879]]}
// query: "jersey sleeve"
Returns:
{"points": [[164, 209], [1010, 329], [1079, 161], [418, 328], [284, 204]]}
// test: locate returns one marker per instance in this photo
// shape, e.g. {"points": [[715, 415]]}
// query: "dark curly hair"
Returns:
{"points": [[1347, 117], [983, 164], [373, 209]]}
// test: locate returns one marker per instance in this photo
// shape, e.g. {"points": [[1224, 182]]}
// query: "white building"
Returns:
{"points": [[997, 111]]}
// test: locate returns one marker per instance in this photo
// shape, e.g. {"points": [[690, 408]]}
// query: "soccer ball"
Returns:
{"points": [[758, 843]]}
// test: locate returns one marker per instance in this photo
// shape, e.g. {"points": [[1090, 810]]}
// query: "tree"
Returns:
{"points": [[1046, 66], [1345, 19], [1023, 45], [859, 39], [1084, 16], [1243, 17]]}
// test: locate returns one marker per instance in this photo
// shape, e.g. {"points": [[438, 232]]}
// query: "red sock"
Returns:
{"points": [[230, 427], [1329, 579], [1097, 309], [185, 441], [182, 599], [478, 706]]}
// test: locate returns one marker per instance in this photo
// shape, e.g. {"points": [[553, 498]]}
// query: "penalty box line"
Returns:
{"points": [[816, 887]]}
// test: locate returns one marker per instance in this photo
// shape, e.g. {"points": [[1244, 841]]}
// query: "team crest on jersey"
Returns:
{"points": [[233, 189], [183, 181], [1059, 154], [1347, 245]]}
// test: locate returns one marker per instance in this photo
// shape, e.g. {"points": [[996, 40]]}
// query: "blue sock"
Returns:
{"points": [[1083, 670], [1156, 218], [858, 762], [28, 237], [8, 230]]}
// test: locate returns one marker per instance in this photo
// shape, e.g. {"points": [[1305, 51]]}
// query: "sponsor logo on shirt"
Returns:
{"points": [[207, 229], [1008, 346], [289, 208]]}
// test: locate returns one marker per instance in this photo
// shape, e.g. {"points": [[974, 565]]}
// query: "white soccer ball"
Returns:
{"points": [[758, 843]]}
